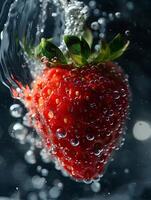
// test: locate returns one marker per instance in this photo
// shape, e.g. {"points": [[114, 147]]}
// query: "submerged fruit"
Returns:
{"points": [[79, 112]]}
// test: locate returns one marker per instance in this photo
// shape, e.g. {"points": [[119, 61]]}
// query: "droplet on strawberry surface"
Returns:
{"points": [[74, 142], [90, 137], [61, 133], [85, 113], [98, 152]]}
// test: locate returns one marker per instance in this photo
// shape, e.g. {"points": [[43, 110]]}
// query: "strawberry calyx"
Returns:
{"points": [[79, 51]]}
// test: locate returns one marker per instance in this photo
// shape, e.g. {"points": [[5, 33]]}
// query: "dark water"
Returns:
{"points": [[128, 177]]}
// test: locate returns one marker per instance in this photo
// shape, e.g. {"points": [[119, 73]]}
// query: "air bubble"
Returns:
{"points": [[16, 110], [45, 156], [54, 14], [87, 181], [54, 192], [74, 142], [126, 171], [118, 15], [142, 130], [130, 5], [61, 133], [19, 132], [43, 195], [102, 35], [97, 47], [111, 16], [30, 157], [95, 26], [92, 4], [32, 196], [26, 120], [58, 184], [39, 168], [38, 182], [98, 152], [127, 33], [96, 12], [2, 35], [96, 187], [116, 95], [90, 137], [102, 21], [44, 172]]}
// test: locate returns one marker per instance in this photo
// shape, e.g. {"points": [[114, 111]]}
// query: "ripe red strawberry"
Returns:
{"points": [[79, 109]]}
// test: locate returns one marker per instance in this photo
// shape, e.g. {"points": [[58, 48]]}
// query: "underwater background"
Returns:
{"points": [[128, 175]]}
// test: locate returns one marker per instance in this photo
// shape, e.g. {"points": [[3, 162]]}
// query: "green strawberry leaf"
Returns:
{"points": [[113, 50], [104, 54], [73, 44], [78, 49], [85, 49], [88, 37], [49, 50], [28, 48], [79, 60], [118, 46]]}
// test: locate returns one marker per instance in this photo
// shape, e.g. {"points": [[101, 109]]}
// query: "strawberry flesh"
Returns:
{"points": [[80, 114]]}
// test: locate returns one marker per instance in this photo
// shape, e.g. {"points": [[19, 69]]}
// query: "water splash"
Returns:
{"points": [[26, 24], [28, 21]]}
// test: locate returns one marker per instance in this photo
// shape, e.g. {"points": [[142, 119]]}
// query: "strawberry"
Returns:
{"points": [[79, 106]]}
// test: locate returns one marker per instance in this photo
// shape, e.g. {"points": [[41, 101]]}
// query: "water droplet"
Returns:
{"points": [[61, 133], [16, 110], [74, 142]]}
